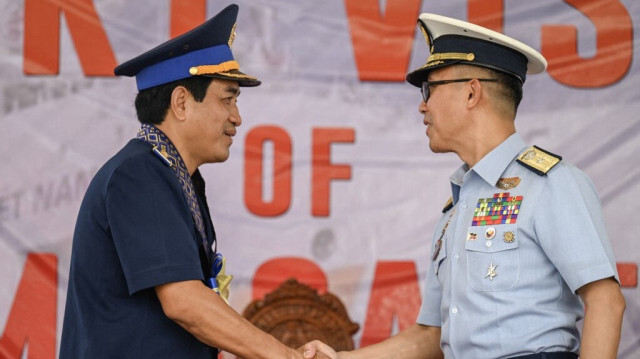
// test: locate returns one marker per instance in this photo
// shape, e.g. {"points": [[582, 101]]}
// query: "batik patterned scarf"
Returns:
{"points": [[164, 149]]}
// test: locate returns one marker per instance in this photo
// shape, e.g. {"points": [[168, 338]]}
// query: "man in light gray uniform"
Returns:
{"points": [[521, 245]]}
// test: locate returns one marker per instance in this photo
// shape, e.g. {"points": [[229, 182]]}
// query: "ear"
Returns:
{"points": [[475, 92], [178, 104]]}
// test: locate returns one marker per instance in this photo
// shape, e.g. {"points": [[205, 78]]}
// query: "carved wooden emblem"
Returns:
{"points": [[295, 314]]}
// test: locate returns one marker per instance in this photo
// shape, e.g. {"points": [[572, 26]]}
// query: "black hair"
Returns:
{"points": [[511, 87], [153, 103]]}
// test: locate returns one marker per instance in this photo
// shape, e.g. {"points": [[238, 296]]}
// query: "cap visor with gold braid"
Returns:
{"points": [[203, 51], [452, 41]]}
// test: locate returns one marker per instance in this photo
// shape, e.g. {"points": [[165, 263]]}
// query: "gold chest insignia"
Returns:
{"points": [[508, 183]]}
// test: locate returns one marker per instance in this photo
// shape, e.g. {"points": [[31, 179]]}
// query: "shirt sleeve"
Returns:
{"points": [[432, 295], [570, 228], [151, 225], [431, 301]]}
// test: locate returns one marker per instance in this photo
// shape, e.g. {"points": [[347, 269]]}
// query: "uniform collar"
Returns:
{"points": [[492, 166]]}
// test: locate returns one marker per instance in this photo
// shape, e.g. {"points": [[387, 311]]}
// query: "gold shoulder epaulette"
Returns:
{"points": [[448, 205], [539, 160]]}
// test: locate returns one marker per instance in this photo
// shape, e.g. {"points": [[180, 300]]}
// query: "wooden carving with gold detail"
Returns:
{"points": [[295, 314]]}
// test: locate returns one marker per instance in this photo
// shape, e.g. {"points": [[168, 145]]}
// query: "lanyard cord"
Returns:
{"points": [[444, 230]]}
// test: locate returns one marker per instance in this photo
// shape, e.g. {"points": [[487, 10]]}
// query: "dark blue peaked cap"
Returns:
{"points": [[453, 42], [203, 51]]}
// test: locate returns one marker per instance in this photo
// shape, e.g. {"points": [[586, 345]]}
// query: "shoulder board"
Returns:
{"points": [[448, 205], [538, 160]]}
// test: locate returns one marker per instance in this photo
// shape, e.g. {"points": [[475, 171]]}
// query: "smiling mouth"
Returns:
{"points": [[230, 134]]}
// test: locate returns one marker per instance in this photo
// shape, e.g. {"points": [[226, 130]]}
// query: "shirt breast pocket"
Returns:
{"points": [[493, 258]]}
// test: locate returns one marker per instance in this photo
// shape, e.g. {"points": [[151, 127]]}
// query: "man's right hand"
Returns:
{"points": [[318, 349]]}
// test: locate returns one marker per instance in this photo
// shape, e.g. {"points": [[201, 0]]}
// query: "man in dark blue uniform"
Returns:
{"points": [[143, 243]]}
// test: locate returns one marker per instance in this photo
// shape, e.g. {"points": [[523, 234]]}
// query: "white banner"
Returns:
{"points": [[364, 191]]}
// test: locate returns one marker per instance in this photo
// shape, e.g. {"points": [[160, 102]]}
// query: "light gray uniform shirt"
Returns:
{"points": [[504, 278]]}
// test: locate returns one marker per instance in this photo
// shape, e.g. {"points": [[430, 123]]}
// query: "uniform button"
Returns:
{"points": [[456, 256], [488, 243], [454, 310], [464, 205]]}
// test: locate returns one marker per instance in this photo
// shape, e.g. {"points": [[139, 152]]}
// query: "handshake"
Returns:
{"points": [[319, 350], [295, 314]]}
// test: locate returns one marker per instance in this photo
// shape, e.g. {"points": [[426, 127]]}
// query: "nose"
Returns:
{"points": [[422, 108], [234, 116]]}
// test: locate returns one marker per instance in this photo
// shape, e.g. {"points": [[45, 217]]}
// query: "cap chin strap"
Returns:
{"points": [[214, 69], [452, 56]]}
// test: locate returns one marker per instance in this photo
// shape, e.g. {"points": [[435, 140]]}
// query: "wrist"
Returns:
{"points": [[292, 354]]}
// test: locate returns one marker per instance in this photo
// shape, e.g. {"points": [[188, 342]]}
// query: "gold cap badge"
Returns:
{"points": [[233, 34]]}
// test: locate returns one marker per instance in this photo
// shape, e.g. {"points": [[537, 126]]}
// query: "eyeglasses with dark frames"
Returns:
{"points": [[426, 85]]}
